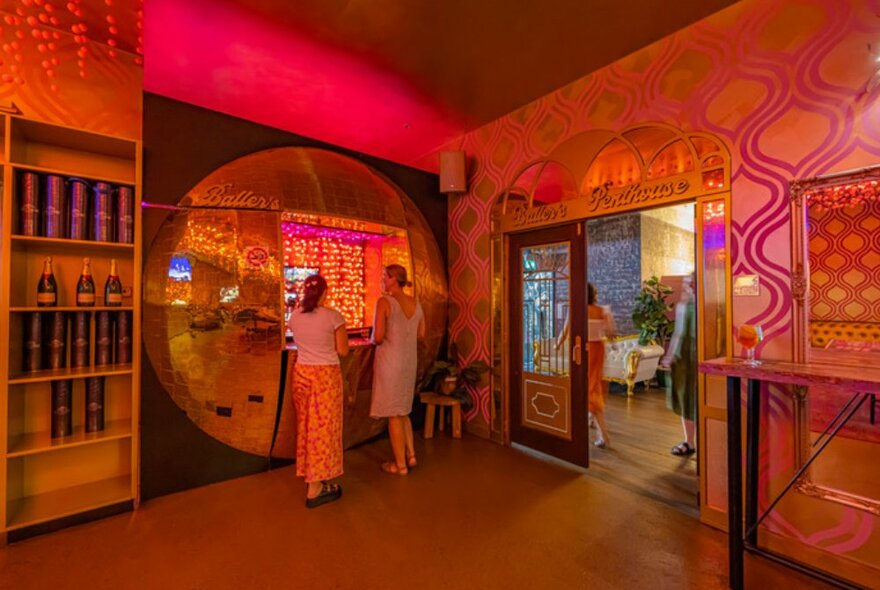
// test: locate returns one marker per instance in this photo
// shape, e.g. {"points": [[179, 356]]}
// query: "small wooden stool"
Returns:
{"points": [[435, 400]]}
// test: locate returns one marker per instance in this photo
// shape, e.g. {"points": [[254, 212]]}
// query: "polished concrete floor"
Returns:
{"points": [[472, 515]]}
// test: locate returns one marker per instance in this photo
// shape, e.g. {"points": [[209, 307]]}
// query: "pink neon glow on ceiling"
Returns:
{"points": [[222, 58]]}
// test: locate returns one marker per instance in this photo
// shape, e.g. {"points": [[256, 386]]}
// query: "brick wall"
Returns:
{"points": [[614, 265]]}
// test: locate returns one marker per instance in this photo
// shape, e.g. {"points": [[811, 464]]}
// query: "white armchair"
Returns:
{"points": [[628, 362]]}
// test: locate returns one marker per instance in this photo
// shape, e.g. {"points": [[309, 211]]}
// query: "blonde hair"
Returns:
{"points": [[398, 273]]}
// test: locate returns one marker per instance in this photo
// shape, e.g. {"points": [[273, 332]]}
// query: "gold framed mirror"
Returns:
{"points": [[836, 307]]}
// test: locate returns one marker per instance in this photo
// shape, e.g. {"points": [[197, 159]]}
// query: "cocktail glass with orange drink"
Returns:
{"points": [[749, 335]]}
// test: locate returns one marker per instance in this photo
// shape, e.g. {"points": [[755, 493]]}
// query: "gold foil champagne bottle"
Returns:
{"points": [[113, 287], [85, 288], [47, 289]]}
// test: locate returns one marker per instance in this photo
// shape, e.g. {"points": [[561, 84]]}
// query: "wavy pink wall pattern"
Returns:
{"points": [[784, 83]]}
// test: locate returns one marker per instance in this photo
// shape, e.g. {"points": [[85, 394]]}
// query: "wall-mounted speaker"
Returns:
{"points": [[452, 172]]}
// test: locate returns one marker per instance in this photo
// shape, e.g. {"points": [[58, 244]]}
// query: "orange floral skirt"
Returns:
{"points": [[597, 389], [317, 396]]}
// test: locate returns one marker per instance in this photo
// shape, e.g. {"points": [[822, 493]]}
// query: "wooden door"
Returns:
{"points": [[548, 368]]}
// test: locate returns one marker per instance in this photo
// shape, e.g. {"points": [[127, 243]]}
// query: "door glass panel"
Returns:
{"points": [[714, 284], [545, 296]]}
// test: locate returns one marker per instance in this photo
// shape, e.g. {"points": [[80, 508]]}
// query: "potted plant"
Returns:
{"points": [[650, 312], [448, 378], [650, 315]]}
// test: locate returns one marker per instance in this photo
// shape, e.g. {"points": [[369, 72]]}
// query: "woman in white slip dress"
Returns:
{"points": [[397, 326]]}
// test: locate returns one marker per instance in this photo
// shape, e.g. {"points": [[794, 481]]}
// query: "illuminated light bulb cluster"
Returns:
{"points": [[41, 24], [215, 244], [139, 23], [713, 212], [844, 195], [325, 221], [713, 179], [340, 257]]}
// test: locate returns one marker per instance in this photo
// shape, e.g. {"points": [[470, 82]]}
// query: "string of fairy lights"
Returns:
{"points": [[844, 195], [339, 256], [42, 28]]}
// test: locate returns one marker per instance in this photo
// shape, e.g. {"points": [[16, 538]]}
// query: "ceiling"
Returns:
{"points": [[390, 78]]}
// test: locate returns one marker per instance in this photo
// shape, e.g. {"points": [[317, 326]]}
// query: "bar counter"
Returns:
{"points": [[357, 382], [861, 381]]}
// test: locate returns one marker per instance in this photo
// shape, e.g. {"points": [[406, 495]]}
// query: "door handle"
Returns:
{"points": [[576, 351]]}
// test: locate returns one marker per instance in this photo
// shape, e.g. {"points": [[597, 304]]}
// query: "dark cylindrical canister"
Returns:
{"points": [[29, 204], [80, 334], [103, 338], [79, 209], [123, 337], [56, 340], [33, 342], [53, 208], [94, 404], [62, 414], [125, 215], [102, 212]]}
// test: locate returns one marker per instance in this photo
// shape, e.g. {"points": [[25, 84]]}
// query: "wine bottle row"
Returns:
{"points": [[59, 339], [47, 288], [54, 207], [62, 406]]}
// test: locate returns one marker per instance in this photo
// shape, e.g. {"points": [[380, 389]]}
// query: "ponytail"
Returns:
{"points": [[313, 289], [398, 273]]}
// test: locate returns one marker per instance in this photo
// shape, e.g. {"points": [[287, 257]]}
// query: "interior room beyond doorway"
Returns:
{"points": [[623, 252]]}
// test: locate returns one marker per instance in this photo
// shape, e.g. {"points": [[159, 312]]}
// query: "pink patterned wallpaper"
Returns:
{"points": [[785, 84], [845, 263]]}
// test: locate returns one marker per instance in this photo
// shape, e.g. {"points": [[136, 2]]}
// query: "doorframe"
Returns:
{"points": [[708, 514], [705, 176], [576, 297]]}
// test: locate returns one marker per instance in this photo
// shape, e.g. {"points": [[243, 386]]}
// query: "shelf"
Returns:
{"points": [[46, 479], [70, 174], [42, 442], [71, 152], [68, 308], [78, 373], [32, 510], [47, 243]]}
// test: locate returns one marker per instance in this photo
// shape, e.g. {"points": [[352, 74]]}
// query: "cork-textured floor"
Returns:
{"points": [[473, 514]]}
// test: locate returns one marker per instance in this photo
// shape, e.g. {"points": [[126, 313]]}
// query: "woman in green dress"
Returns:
{"points": [[681, 359]]}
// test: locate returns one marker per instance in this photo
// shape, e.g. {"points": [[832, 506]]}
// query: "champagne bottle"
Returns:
{"points": [[85, 288], [113, 287], [47, 289]]}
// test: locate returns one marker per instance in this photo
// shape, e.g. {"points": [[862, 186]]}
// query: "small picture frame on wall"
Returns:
{"points": [[747, 286]]}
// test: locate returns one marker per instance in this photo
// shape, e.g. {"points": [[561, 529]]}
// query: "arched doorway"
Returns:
{"points": [[593, 176]]}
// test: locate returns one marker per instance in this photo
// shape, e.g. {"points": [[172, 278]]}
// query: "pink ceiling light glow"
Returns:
{"points": [[225, 59]]}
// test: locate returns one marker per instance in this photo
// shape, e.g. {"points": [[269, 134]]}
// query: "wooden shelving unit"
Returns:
{"points": [[43, 478]]}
